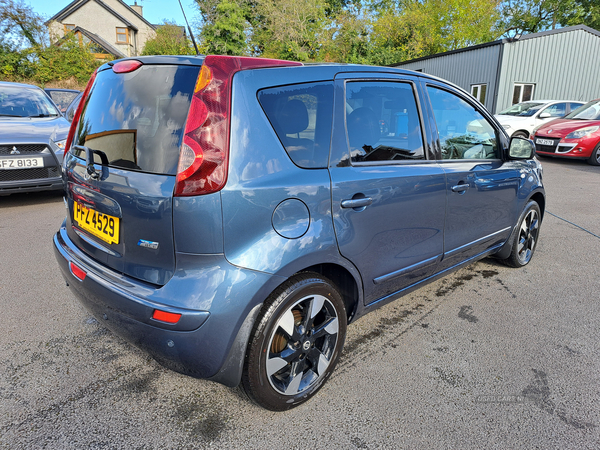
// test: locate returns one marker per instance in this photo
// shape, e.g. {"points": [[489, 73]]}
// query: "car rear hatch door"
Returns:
{"points": [[121, 168]]}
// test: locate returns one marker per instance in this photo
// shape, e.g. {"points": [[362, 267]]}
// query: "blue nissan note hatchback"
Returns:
{"points": [[232, 215]]}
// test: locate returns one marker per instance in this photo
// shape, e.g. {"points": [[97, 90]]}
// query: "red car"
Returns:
{"points": [[577, 135]]}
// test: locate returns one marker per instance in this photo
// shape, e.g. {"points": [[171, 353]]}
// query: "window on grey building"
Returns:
{"points": [[522, 92], [478, 91]]}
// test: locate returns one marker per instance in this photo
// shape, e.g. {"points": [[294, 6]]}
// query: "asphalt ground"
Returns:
{"points": [[489, 357]]}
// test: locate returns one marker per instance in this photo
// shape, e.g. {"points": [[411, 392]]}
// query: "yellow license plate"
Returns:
{"points": [[100, 225]]}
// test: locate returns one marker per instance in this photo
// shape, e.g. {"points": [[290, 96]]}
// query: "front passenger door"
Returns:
{"points": [[481, 186]]}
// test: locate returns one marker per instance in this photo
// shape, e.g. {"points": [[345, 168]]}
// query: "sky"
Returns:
{"points": [[155, 11]]}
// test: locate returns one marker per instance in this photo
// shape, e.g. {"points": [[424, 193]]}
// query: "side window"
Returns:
{"points": [[574, 106], [382, 121], [463, 132], [301, 116], [556, 110]]}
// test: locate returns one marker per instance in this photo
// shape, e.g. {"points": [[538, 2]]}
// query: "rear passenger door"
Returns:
{"points": [[388, 192], [482, 187]]}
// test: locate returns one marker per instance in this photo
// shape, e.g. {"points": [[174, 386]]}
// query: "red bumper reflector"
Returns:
{"points": [[78, 272], [164, 316]]}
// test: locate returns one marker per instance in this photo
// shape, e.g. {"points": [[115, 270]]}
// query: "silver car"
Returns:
{"points": [[33, 134]]}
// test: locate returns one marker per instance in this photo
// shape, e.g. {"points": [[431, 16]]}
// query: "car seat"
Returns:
{"points": [[363, 129]]}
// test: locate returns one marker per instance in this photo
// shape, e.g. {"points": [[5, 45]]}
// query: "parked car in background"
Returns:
{"points": [[231, 215], [520, 119], [72, 108], [33, 134], [576, 136], [62, 97]]}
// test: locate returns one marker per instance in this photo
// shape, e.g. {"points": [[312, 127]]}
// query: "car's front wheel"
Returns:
{"points": [[594, 159], [526, 236], [296, 342]]}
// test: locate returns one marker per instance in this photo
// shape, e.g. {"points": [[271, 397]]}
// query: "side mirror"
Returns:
{"points": [[521, 148], [544, 115]]}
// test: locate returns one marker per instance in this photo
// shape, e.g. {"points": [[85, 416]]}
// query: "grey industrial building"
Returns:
{"points": [[562, 64]]}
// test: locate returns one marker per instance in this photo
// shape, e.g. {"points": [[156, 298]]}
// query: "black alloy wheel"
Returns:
{"points": [[526, 236], [296, 342]]}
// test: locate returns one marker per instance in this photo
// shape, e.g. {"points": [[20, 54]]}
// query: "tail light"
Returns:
{"points": [[204, 152], [77, 115]]}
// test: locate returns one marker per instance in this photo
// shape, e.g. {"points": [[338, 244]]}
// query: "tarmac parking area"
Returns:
{"points": [[489, 357]]}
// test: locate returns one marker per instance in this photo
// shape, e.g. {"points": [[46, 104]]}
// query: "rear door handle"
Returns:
{"points": [[460, 188], [357, 202]]}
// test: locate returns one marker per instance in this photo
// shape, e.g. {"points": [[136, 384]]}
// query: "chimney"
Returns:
{"points": [[137, 8]]}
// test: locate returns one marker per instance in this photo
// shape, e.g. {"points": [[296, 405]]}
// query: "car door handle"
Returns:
{"points": [[357, 202], [460, 187]]}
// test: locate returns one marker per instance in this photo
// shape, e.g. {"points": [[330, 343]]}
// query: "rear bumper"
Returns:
{"points": [[213, 297]]}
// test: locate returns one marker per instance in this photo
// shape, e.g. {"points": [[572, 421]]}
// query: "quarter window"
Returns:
{"points": [[522, 92], [122, 35], [463, 131], [301, 116], [382, 122], [478, 91]]}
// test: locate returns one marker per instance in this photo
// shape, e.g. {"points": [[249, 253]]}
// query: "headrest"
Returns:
{"points": [[293, 117]]}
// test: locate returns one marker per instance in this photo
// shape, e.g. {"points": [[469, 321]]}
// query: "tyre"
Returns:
{"points": [[296, 342], [594, 158], [521, 134], [526, 236]]}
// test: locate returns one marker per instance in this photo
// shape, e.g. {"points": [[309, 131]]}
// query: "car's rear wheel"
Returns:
{"points": [[296, 342], [594, 158], [526, 236]]}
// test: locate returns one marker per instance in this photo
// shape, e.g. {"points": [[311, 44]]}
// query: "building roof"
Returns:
{"points": [[504, 41], [76, 4], [97, 40]]}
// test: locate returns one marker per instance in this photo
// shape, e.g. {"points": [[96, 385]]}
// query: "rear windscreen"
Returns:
{"points": [[137, 119]]}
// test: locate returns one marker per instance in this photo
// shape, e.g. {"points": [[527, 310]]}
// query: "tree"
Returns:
{"points": [[293, 29], [531, 16], [169, 40], [225, 27], [21, 25], [422, 28], [26, 52]]}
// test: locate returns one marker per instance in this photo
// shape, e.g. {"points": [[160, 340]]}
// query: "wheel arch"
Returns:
{"points": [[343, 280], [346, 282], [522, 131], [539, 198]]}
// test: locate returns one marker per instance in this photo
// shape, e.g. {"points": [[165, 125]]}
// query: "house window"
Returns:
{"points": [[122, 36], [522, 92], [68, 27], [478, 91]]}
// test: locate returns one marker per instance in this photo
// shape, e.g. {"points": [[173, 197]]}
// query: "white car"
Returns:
{"points": [[520, 119]]}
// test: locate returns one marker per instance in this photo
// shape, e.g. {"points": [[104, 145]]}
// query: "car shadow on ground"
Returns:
{"points": [[30, 198], [575, 164]]}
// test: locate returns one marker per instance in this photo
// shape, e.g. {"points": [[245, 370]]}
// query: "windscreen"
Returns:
{"points": [[589, 111], [25, 102], [522, 109], [137, 119]]}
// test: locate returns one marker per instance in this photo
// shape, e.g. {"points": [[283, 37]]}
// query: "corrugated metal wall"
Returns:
{"points": [[476, 66], [563, 66]]}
